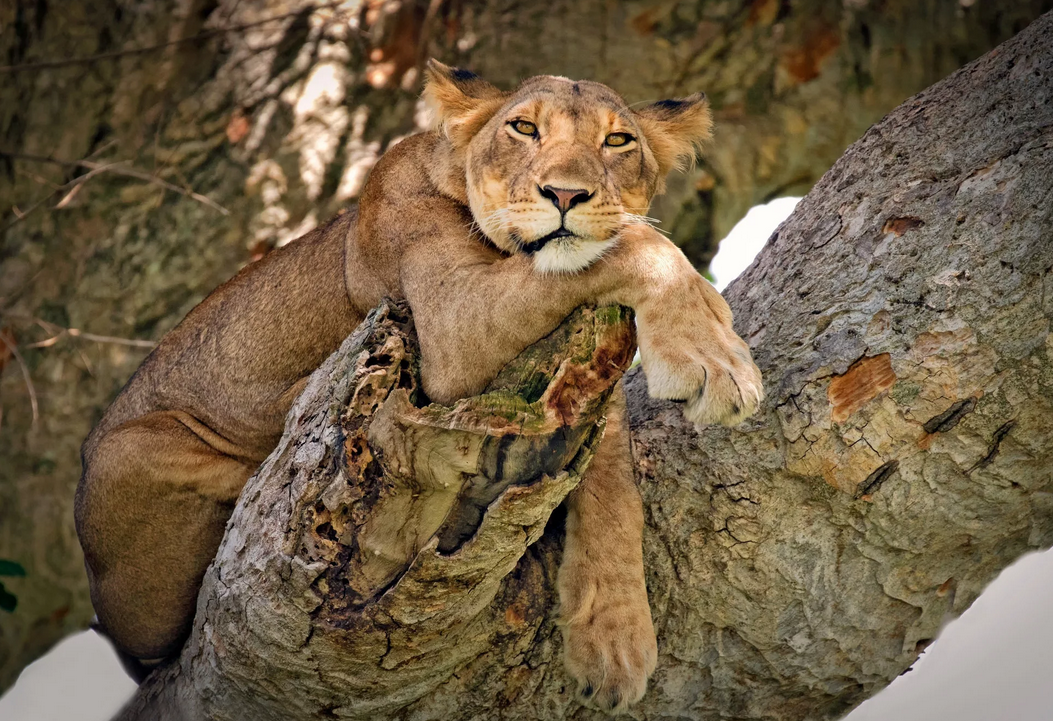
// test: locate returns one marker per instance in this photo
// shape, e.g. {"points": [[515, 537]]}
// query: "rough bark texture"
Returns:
{"points": [[275, 112], [796, 563], [332, 568]]}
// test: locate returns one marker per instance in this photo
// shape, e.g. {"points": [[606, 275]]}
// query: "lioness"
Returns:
{"points": [[519, 207]]}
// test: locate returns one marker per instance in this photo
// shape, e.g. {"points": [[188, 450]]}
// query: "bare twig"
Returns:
{"points": [[13, 348], [9, 300], [37, 178], [86, 361], [115, 54], [60, 333], [21, 215], [425, 30], [68, 197], [118, 168], [74, 184]]}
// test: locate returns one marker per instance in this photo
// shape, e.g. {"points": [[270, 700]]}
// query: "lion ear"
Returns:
{"points": [[460, 101], [676, 129]]}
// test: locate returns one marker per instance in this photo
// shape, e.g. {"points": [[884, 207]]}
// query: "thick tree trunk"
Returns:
{"points": [[124, 123], [798, 562]]}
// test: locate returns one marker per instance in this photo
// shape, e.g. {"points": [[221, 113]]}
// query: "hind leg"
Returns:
{"points": [[151, 509]]}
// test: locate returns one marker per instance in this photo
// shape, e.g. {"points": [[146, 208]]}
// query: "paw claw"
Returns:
{"points": [[693, 354], [712, 390]]}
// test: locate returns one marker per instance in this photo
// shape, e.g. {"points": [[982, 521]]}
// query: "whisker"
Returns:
{"points": [[630, 219], [641, 218]]}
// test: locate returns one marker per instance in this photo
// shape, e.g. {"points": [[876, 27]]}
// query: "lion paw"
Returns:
{"points": [[611, 654], [691, 354]]}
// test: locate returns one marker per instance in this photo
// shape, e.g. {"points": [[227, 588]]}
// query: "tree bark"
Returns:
{"points": [[124, 124], [796, 563], [362, 546]]}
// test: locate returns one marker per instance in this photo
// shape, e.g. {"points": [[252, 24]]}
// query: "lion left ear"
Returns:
{"points": [[460, 101], [676, 129]]}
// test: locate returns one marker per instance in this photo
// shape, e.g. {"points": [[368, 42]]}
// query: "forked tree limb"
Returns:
{"points": [[359, 559], [796, 563]]}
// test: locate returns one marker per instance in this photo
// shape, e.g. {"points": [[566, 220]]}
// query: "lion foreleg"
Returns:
{"points": [[609, 640]]}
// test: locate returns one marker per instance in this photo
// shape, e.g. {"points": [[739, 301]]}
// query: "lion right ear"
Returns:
{"points": [[676, 129], [460, 101]]}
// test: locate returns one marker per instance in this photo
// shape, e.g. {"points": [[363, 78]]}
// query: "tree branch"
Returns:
{"points": [[382, 529], [12, 348], [117, 168]]}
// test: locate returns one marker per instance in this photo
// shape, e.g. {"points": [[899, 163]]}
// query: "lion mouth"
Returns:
{"points": [[535, 245]]}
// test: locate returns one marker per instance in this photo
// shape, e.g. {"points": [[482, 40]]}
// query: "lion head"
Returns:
{"points": [[557, 168]]}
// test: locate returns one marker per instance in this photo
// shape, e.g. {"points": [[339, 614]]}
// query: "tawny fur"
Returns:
{"points": [[458, 222]]}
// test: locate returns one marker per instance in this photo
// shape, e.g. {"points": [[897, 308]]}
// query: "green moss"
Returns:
{"points": [[904, 392], [613, 314], [505, 404]]}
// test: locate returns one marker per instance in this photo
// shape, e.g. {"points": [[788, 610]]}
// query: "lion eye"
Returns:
{"points": [[524, 127], [616, 140]]}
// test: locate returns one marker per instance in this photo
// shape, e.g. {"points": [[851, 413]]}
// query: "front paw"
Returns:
{"points": [[690, 353], [610, 653]]}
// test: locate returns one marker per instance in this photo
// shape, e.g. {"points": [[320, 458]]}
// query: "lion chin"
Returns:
{"points": [[570, 255]]}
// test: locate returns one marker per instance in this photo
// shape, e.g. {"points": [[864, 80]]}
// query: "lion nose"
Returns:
{"points": [[565, 198]]}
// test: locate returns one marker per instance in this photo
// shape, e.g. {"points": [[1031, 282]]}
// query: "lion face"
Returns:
{"points": [[556, 168], [558, 171]]}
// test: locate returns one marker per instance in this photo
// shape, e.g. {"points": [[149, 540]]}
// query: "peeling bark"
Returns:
{"points": [[796, 563]]}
